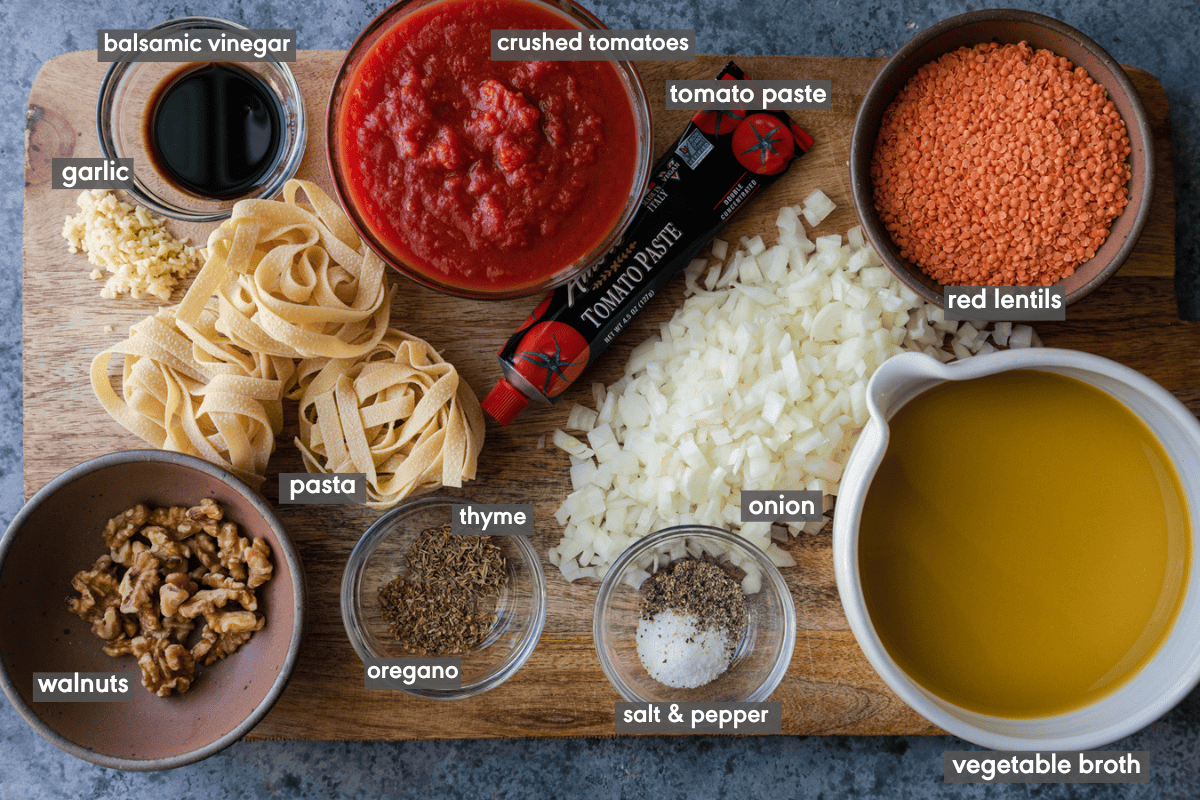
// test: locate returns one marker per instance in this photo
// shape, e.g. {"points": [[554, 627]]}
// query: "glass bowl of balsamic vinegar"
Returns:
{"points": [[202, 135]]}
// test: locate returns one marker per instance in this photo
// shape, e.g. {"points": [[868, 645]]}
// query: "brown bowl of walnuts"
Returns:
{"points": [[151, 610]]}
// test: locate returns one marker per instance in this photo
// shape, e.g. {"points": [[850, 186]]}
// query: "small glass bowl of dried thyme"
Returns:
{"points": [[412, 588], [694, 614]]}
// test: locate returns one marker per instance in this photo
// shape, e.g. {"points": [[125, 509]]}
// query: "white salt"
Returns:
{"points": [[678, 655]]}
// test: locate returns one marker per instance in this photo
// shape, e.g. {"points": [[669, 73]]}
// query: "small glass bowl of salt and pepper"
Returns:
{"points": [[694, 614]]}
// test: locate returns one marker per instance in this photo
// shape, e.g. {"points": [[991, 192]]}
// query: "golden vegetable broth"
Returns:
{"points": [[1025, 544]]}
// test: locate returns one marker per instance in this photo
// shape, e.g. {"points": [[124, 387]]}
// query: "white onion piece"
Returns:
{"points": [[569, 444], [1000, 333], [581, 418], [817, 206], [1022, 336], [758, 382]]}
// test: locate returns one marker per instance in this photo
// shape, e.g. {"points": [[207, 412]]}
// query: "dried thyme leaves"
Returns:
{"points": [[445, 604], [702, 590], [439, 557]]}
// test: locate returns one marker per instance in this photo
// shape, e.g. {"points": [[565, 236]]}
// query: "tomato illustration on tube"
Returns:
{"points": [[764, 144], [557, 351]]}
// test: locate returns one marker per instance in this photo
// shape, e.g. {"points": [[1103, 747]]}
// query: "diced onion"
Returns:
{"points": [[1022, 336], [757, 382]]}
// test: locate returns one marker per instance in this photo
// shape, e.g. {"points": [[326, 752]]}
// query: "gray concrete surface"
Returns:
{"points": [[1160, 37]]}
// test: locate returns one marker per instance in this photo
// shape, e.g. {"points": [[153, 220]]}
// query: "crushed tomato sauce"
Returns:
{"points": [[485, 174]]}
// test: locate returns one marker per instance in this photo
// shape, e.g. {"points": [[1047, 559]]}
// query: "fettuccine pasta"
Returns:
{"points": [[203, 399], [293, 279], [401, 415], [284, 280]]}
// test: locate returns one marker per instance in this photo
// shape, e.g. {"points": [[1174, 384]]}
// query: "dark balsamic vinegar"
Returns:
{"points": [[215, 130]]}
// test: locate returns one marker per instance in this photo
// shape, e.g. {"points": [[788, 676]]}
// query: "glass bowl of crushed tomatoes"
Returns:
{"points": [[480, 178]]}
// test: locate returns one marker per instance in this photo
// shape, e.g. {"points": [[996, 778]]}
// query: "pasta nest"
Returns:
{"points": [[401, 415]]}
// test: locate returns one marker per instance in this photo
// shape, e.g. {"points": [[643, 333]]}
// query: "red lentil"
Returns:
{"points": [[1000, 165]]}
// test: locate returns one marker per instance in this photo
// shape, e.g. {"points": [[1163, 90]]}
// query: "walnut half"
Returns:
{"points": [[176, 587], [258, 560], [166, 666], [214, 646]]}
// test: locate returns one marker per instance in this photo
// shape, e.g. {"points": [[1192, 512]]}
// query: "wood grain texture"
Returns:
{"points": [[830, 688]]}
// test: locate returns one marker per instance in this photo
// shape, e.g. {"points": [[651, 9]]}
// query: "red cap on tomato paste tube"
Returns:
{"points": [[706, 176], [504, 402]]}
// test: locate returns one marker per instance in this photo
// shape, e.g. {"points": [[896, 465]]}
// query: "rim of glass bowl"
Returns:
{"points": [[638, 97], [289, 159], [352, 579], [612, 580]]}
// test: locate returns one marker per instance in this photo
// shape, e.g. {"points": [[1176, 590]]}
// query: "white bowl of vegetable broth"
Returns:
{"points": [[1014, 549]]}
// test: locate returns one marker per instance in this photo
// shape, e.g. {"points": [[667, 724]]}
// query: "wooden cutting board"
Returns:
{"points": [[830, 688]]}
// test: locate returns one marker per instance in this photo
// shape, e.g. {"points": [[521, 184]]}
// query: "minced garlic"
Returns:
{"points": [[134, 246]]}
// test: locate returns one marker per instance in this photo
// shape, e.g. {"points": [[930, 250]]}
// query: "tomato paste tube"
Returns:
{"points": [[722, 160]]}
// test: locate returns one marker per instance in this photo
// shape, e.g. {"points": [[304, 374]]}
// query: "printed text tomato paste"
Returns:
{"points": [[485, 175]]}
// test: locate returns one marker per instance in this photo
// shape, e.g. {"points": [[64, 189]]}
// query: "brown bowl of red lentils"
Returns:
{"points": [[1002, 148]]}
